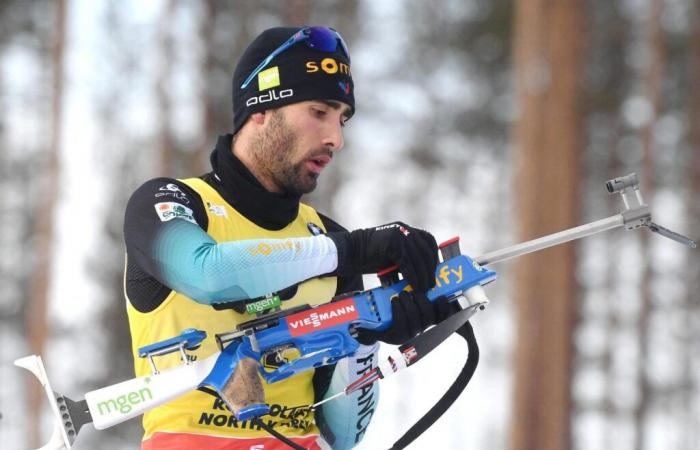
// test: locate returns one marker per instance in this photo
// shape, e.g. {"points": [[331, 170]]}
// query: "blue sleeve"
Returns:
{"points": [[344, 420], [166, 236]]}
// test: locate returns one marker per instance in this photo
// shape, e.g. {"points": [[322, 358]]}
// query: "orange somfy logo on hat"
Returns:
{"points": [[328, 65]]}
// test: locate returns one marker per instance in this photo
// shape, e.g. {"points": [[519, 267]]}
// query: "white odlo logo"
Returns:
{"points": [[272, 95]]}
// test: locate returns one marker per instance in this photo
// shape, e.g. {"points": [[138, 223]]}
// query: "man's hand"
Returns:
{"points": [[372, 249], [411, 313]]}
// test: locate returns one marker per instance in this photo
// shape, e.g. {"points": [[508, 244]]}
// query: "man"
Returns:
{"points": [[207, 252]]}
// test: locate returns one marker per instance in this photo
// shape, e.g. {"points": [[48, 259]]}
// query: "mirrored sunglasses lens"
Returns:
{"points": [[344, 47], [322, 38]]}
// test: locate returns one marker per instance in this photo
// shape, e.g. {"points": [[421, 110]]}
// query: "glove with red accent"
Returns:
{"points": [[372, 249], [411, 314]]}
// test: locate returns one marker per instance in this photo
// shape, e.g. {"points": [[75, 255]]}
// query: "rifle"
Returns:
{"points": [[322, 334]]}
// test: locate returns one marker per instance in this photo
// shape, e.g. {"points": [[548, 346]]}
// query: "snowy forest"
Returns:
{"points": [[496, 121]]}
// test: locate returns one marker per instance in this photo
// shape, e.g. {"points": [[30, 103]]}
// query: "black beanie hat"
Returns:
{"points": [[302, 73]]}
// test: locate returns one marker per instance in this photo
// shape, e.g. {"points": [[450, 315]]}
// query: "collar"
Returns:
{"points": [[239, 187]]}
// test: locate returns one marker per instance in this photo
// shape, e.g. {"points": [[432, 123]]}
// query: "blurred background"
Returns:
{"points": [[493, 120]]}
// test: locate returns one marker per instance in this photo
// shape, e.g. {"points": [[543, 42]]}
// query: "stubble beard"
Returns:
{"points": [[273, 153]]}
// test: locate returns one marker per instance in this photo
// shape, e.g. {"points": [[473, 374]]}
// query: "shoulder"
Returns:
{"points": [[159, 197], [165, 189]]}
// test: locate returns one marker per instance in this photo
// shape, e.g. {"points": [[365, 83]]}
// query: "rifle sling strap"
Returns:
{"points": [[258, 421], [466, 331], [261, 423], [452, 393]]}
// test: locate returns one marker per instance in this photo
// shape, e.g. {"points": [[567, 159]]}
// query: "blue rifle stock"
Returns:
{"points": [[323, 334]]}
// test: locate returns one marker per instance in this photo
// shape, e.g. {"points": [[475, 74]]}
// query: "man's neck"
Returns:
{"points": [[241, 189], [247, 159]]}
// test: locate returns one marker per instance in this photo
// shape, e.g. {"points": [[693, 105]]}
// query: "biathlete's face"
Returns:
{"points": [[297, 142]]}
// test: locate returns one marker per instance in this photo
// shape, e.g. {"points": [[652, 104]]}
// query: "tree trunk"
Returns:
{"points": [[691, 328], [297, 12], [614, 93], [652, 88], [166, 141], [206, 32], [37, 324], [548, 141]]}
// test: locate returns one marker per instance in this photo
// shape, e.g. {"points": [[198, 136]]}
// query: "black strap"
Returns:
{"points": [[259, 422], [452, 393], [422, 345]]}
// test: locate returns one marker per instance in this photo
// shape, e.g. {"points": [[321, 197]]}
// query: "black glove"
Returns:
{"points": [[411, 313], [372, 249]]}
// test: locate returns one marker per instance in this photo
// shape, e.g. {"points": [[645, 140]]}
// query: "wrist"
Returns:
{"points": [[342, 243]]}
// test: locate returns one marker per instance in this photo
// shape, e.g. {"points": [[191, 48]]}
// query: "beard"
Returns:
{"points": [[273, 152]]}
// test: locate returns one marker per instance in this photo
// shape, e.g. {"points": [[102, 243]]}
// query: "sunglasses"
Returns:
{"points": [[324, 39]]}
